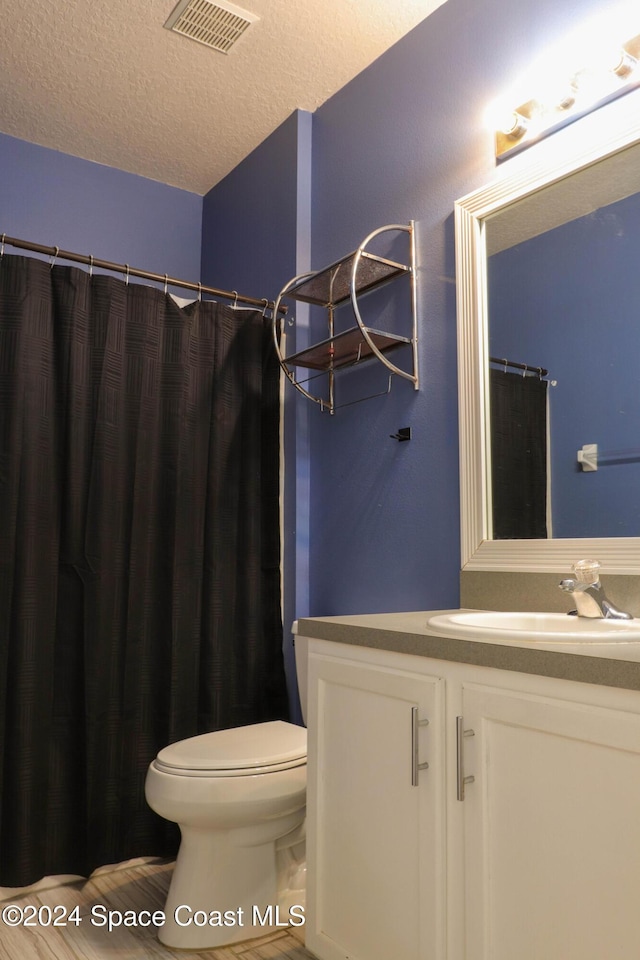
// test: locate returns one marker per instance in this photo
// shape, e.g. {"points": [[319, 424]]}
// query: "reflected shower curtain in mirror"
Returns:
{"points": [[518, 455], [139, 526]]}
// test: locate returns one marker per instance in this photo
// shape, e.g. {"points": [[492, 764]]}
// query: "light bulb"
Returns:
{"points": [[514, 125], [624, 65]]}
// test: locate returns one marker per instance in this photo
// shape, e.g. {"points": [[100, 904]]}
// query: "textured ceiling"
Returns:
{"points": [[104, 80]]}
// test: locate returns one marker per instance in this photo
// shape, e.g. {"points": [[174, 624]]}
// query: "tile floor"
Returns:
{"points": [[132, 886]]}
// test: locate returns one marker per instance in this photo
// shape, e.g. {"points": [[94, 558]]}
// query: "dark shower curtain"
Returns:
{"points": [[139, 526], [518, 455]]}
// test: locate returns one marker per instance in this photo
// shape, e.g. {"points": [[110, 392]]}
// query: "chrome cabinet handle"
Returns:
{"points": [[415, 744], [461, 780]]}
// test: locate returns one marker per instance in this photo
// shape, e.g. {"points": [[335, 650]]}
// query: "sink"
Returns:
{"points": [[538, 627]]}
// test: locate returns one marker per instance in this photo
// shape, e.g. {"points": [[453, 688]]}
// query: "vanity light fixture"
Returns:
{"points": [[603, 78]]}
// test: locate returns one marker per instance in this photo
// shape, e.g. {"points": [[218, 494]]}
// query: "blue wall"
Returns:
{"points": [[256, 235], [56, 200], [403, 141], [578, 320], [251, 219]]}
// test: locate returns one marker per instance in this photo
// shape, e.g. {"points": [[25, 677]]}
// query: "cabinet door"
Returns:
{"points": [[552, 828], [375, 824]]}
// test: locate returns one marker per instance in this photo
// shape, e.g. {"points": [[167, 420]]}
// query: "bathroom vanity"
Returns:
{"points": [[471, 797]]}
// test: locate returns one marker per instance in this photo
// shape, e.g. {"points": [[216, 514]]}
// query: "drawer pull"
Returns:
{"points": [[416, 767], [461, 780]]}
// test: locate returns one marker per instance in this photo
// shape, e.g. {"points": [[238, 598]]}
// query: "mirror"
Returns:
{"points": [[562, 291], [548, 277]]}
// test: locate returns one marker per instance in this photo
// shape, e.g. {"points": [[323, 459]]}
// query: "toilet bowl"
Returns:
{"points": [[239, 798]]}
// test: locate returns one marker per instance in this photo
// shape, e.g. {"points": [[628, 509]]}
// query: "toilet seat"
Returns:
{"points": [[259, 748]]}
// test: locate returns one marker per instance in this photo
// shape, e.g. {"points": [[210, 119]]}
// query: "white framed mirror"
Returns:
{"points": [[579, 176]]}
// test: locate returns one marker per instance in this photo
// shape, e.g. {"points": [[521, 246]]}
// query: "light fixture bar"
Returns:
{"points": [[585, 90]]}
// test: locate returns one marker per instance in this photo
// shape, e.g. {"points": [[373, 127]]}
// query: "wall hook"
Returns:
{"points": [[404, 433], [588, 457]]}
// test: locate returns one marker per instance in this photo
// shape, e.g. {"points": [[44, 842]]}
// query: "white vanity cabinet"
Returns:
{"points": [[539, 861], [552, 822], [375, 811]]}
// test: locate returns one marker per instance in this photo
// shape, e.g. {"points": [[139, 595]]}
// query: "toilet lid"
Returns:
{"points": [[259, 747]]}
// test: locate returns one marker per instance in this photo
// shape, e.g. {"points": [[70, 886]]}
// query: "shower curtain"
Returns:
{"points": [[139, 535], [518, 455]]}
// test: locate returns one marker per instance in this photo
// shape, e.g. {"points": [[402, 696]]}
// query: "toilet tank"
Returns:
{"points": [[301, 650]]}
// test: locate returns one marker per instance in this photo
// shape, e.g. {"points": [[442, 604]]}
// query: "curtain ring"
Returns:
{"points": [[235, 299], [91, 265], [2, 245], [126, 274], [55, 257], [199, 292], [166, 283], [525, 371], [266, 307]]}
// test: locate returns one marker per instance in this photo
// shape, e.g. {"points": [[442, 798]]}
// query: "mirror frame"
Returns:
{"points": [[558, 160]]}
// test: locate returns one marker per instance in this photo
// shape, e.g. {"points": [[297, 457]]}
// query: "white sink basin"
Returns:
{"points": [[538, 627]]}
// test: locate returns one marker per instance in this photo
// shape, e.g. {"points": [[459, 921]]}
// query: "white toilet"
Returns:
{"points": [[239, 799]]}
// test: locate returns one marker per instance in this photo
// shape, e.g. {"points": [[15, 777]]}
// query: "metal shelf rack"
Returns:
{"points": [[344, 282]]}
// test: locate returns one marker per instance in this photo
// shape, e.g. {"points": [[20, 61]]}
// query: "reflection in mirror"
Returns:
{"points": [[563, 289]]}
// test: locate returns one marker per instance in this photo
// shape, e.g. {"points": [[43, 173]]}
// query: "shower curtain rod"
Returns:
{"points": [[519, 366], [128, 271]]}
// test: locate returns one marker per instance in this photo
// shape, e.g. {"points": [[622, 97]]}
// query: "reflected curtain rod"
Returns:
{"points": [[519, 366], [128, 271]]}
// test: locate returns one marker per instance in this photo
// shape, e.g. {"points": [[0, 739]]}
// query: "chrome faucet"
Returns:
{"points": [[591, 600]]}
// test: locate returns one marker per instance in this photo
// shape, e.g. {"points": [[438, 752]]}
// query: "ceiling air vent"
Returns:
{"points": [[217, 25]]}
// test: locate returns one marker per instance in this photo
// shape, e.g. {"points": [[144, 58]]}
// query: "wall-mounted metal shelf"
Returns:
{"points": [[343, 282], [345, 349]]}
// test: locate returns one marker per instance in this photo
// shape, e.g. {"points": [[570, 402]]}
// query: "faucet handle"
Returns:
{"points": [[587, 571]]}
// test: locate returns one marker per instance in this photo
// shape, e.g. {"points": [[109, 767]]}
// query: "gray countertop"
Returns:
{"points": [[606, 664]]}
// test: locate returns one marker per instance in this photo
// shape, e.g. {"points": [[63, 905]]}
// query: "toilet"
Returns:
{"points": [[239, 798]]}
